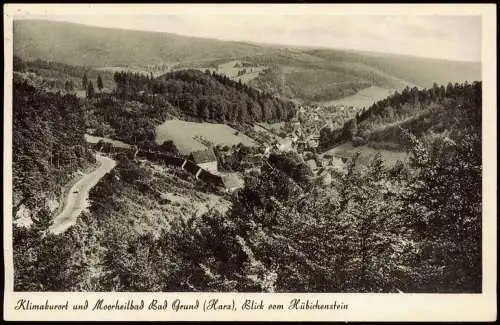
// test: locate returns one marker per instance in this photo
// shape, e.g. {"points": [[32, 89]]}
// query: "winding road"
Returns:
{"points": [[76, 200]]}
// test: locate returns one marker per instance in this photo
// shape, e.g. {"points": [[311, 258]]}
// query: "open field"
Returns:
{"points": [[228, 69], [192, 136], [367, 153], [363, 98]]}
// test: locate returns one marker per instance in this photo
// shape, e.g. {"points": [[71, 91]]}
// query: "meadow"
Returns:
{"points": [[193, 136], [363, 98]]}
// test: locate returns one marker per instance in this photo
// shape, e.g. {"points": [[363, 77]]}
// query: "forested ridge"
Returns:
{"points": [[417, 110], [208, 96]]}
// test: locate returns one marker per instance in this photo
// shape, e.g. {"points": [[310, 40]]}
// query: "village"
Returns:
{"points": [[300, 135]]}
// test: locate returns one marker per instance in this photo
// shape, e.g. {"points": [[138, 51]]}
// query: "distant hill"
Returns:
{"points": [[330, 74], [420, 71], [305, 74], [97, 46]]}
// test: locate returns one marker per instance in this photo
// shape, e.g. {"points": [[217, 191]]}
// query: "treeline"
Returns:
{"points": [[272, 81], [129, 121], [62, 72], [417, 110], [48, 144], [324, 85], [210, 97]]}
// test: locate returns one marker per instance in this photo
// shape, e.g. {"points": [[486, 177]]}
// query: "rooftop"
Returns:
{"points": [[203, 156], [312, 164]]}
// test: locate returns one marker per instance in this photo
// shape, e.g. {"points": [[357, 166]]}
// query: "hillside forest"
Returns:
{"points": [[208, 96]]}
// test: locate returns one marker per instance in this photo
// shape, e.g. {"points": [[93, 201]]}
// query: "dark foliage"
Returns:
{"points": [[416, 110], [210, 97], [48, 143]]}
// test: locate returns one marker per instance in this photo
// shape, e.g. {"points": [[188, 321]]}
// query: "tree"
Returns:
{"points": [[90, 90], [444, 206], [68, 86], [350, 129], [169, 146], [99, 83], [84, 81]]}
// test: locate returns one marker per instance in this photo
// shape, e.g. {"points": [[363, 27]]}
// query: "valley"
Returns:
{"points": [[235, 167]]}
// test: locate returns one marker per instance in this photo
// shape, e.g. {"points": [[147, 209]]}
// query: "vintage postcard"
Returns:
{"points": [[250, 162]]}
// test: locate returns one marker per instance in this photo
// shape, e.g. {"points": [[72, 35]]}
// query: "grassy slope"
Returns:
{"points": [[364, 98], [189, 136]]}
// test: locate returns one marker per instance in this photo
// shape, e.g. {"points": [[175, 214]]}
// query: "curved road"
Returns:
{"points": [[76, 200]]}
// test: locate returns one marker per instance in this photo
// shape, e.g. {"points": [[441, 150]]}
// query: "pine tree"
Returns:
{"points": [[99, 83], [84, 81], [90, 90], [68, 86]]}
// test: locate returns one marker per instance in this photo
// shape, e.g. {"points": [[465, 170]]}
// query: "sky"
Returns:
{"points": [[450, 37]]}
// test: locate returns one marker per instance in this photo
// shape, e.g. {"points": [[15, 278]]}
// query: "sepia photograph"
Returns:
{"points": [[255, 152]]}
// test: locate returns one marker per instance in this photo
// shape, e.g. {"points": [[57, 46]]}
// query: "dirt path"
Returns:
{"points": [[76, 199]]}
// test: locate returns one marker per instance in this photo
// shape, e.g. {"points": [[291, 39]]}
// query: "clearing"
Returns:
{"points": [[363, 98], [193, 136], [231, 71]]}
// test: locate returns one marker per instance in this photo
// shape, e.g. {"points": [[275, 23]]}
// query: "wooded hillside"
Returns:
{"points": [[208, 96], [418, 110], [48, 144]]}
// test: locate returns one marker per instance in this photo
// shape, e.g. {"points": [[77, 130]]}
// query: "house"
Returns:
{"points": [[338, 165], [255, 159], [295, 123], [252, 170], [313, 142], [301, 145], [344, 156], [325, 177], [285, 144], [311, 163], [232, 182], [205, 159]]}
